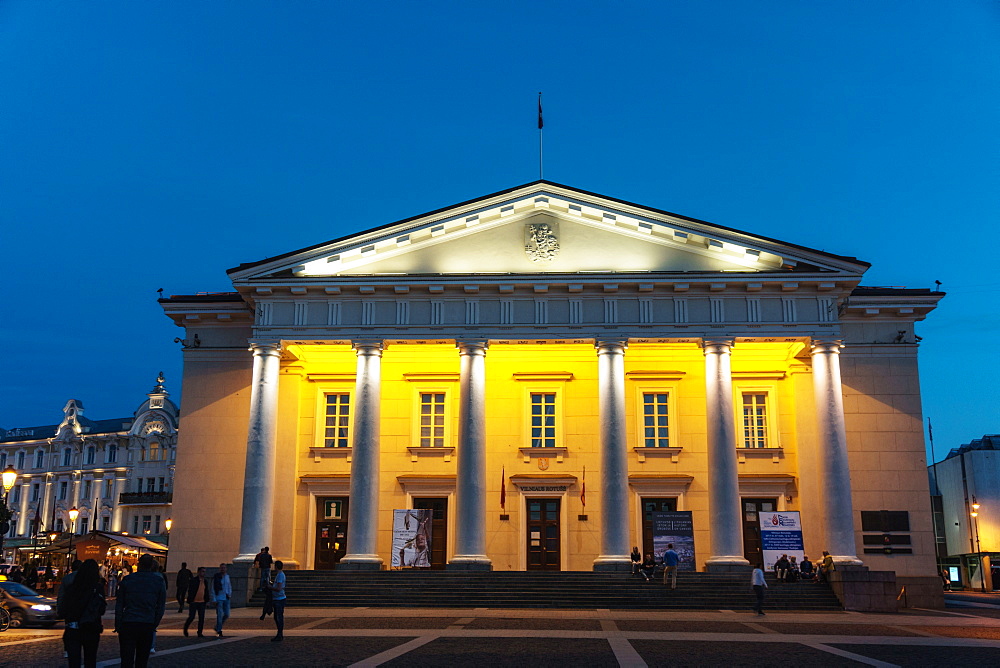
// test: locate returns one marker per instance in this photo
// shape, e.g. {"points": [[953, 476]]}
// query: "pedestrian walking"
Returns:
{"points": [[670, 561], [142, 599], [198, 596], [81, 604], [759, 585], [263, 561], [222, 589], [279, 601], [184, 576]]}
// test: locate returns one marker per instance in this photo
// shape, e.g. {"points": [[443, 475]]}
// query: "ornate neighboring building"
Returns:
{"points": [[118, 473]]}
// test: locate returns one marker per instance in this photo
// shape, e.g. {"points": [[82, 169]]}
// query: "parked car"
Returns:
{"points": [[26, 606]]}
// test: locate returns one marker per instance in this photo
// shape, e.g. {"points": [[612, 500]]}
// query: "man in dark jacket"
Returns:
{"points": [[183, 580], [142, 599], [199, 595]]}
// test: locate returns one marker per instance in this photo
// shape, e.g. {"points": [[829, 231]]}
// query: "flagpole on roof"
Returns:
{"points": [[540, 126]]}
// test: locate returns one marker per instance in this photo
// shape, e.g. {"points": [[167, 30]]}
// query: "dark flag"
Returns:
{"points": [[503, 488], [36, 523], [583, 489], [540, 123]]}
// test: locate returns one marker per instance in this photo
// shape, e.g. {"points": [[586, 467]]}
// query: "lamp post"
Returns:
{"points": [[73, 514], [8, 478], [979, 554]]}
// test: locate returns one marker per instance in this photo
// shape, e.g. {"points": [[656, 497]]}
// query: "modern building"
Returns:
{"points": [[965, 488], [544, 368], [118, 473]]}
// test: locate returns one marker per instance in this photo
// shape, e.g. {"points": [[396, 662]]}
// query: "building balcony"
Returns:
{"points": [[145, 498]]}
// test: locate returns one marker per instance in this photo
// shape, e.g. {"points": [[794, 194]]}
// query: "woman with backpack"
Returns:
{"points": [[82, 604]]}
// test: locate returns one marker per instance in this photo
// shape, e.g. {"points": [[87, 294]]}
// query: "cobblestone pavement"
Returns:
{"points": [[496, 638]]}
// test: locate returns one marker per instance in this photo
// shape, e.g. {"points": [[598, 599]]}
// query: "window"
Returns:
{"points": [[63, 490], [34, 492], [108, 488], [135, 525], [67, 457], [147, 524], [16, 494], [655, 420], [150, 484], [105, 524], [543, 419], [159, 484], [755, 426], [91, 454], [60, 525], [111, 453], [431, 419], [39, 459], [156, 524], [20, 461], [3, 461], [87, 485], [154, 452], [338, 414]]}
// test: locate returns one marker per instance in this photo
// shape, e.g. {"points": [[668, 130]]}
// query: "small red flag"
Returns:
{"points": [[503, 488], [540, 123], [583, 489]]}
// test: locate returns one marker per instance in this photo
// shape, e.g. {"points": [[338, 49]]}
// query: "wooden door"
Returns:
{"points": [[752, 545], [439, 529], [543, 534]]}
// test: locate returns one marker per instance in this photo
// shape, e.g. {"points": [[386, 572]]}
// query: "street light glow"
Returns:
{"points": [[9, 476]]}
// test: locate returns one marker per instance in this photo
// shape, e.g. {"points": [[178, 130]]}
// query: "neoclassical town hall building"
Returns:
{"points": [[528, 345]]}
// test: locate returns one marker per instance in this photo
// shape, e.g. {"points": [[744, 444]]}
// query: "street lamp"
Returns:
{"points": [[169, 523], [8, 477], [979, 554], [73, 514]]}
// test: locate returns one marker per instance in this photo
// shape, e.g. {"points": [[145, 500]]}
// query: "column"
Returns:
{"points": [[48, 503], [362, 515], [470, 487], [724, 514], [614, 462], [262, 435], [116, 507], [834, 469], [23, 519]]}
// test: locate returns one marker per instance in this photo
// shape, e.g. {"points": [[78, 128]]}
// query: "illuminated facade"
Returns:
{"points": [[118, 472], [528, 344]]}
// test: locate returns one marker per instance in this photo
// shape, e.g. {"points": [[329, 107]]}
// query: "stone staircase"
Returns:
{"points": [[520, 589]]}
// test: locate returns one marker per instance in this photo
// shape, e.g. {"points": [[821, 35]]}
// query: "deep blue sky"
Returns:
{"points": [[156, 144]]}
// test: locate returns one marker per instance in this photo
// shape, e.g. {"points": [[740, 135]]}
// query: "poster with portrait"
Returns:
{"points": [[411, 538], [674, 528], [780, 533]]}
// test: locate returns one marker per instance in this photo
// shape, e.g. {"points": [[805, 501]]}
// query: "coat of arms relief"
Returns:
{"points": [[541, 241]]}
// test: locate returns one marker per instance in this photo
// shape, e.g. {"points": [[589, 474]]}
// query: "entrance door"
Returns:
{"points": [[751, 527], [543, 534], [439, 529], [650, 506], [331, 532]]}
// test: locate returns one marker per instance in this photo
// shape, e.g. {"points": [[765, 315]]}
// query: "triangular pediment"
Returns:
{"points": [[546, 228]]}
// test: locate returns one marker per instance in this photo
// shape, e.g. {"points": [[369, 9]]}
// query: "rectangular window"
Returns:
{"points": [[34, 492], [3, 461], [154, 452], [91, 454], [20, 461], [147, 524], [160, 482], [135, 525], [150, 484], [543, 419], [63, 490], [60, 525], [338, 419], [755, 420], [431, 419], [67, 457], [39, 459], [655, 420], [108, 488], [86, 489], [156, 525], [111, 454], [16, 494], [105, 524]]}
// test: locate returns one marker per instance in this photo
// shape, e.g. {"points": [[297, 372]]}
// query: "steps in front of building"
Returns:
{"points": [[519, 589]]}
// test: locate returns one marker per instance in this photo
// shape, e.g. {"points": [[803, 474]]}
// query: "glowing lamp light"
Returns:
{"points": [[73, 514], [9, 477], [168, 523], [974, 513], [53, 536]]}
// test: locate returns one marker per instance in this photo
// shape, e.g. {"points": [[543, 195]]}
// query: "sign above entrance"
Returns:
{"points": [[333, 509]]}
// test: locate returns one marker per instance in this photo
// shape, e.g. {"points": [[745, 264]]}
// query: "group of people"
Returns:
{"points": [[787, 570], [646, 565]]}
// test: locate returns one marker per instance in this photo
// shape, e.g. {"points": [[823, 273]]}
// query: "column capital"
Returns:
{"points": [[472, 347], [610, 347], [818, 346], [717, 346], [264, 347], [368, 348]]}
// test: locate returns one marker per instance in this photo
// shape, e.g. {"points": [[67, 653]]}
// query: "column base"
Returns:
{"points": [[360, 562], [727, 564], [613, 563], [244, 558], [846, 560], [470, 563]]}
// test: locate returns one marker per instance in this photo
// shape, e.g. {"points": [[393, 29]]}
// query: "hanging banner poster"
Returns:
{"points": [[411, 538], [674, 527], [780, 533]]}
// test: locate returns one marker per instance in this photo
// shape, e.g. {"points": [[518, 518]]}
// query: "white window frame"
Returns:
{"points": [[770, 392], [322, 416], [558, 414], [448, 438], [643, 389]]}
